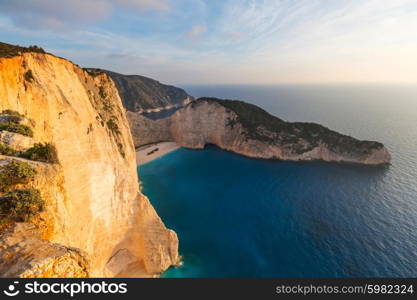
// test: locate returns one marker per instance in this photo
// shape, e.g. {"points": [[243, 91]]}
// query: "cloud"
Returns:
{"points": [[141, 5], [252, 41], [196, 32], [51, 14], [56, 15], [235, 35]]}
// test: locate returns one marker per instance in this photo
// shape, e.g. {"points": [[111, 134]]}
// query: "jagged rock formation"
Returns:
{"points": [[139, 93], [248, 130], [23, 253], [92, 198]]}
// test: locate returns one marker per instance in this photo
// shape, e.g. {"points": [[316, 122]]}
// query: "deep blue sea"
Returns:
{"points": [[241, 217]]}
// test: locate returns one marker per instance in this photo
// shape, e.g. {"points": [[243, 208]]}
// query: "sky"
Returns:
{"points": [[226, 41]]}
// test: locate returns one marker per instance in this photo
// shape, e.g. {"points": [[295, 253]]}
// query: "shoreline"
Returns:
{"points": [[151, 152]]}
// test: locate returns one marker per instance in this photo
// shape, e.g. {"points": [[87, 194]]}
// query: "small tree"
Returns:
{"points": [[21, 205]]}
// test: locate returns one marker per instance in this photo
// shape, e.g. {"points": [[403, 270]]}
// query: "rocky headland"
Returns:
{"points": [[146, 95], [250, 131]]}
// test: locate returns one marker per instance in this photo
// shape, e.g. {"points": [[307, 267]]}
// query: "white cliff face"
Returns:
{"points": [[209, 122], [93, 201]]}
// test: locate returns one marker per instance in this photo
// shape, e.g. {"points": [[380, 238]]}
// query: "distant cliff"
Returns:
{"points": [[70, 201], [139, 93], [249, 130]]}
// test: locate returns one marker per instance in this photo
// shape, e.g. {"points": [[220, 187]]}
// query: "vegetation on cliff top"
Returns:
{"points": [[20, 205], [7, 150], [10, 121], [254, 119], [12, 115], [14, 173], [17, 128], [7, 50], [41, 152], [93, 72]]}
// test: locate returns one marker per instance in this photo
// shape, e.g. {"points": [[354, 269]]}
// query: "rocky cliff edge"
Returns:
{"points": [[94, 222]]}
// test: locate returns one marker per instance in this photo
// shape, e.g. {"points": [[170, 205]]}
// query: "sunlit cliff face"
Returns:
{"points": [[92, 197]]}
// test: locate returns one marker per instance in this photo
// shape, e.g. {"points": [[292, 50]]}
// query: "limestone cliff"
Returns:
{"points": [[94, 212], [248, 130]]}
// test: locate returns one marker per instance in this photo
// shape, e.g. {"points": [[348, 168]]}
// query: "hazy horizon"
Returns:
{"points": [[197, 42]]}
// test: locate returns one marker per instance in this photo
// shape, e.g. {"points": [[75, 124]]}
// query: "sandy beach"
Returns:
{"points": [[150, 152]]}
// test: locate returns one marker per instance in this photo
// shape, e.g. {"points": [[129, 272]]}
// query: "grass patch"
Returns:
{"points": [[21, 205], [14, 173]]}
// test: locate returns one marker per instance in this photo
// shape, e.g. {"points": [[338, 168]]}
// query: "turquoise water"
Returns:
{"points": [[241, 217]]}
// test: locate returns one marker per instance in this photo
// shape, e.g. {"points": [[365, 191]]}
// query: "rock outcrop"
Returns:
{"points": [[25, 254], [140, 93], [93, 204], [15, 140], [248, 130]]}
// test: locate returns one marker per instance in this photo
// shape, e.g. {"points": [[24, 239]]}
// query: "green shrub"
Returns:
{"points": [[21, 205], [17, 128], [42, 152], [7, 50], [29, 76], [12, 119], [11, 112], [7, 150], [102, 92], [108, 106], [16, 172], [93, 72], [112, 125], [121, 151]]}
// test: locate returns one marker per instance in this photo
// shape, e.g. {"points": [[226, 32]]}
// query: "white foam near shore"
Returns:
{"points": [[150, 152]]}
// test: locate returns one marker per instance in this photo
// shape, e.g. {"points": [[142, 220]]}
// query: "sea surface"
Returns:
{"points": [[241, 217]]}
